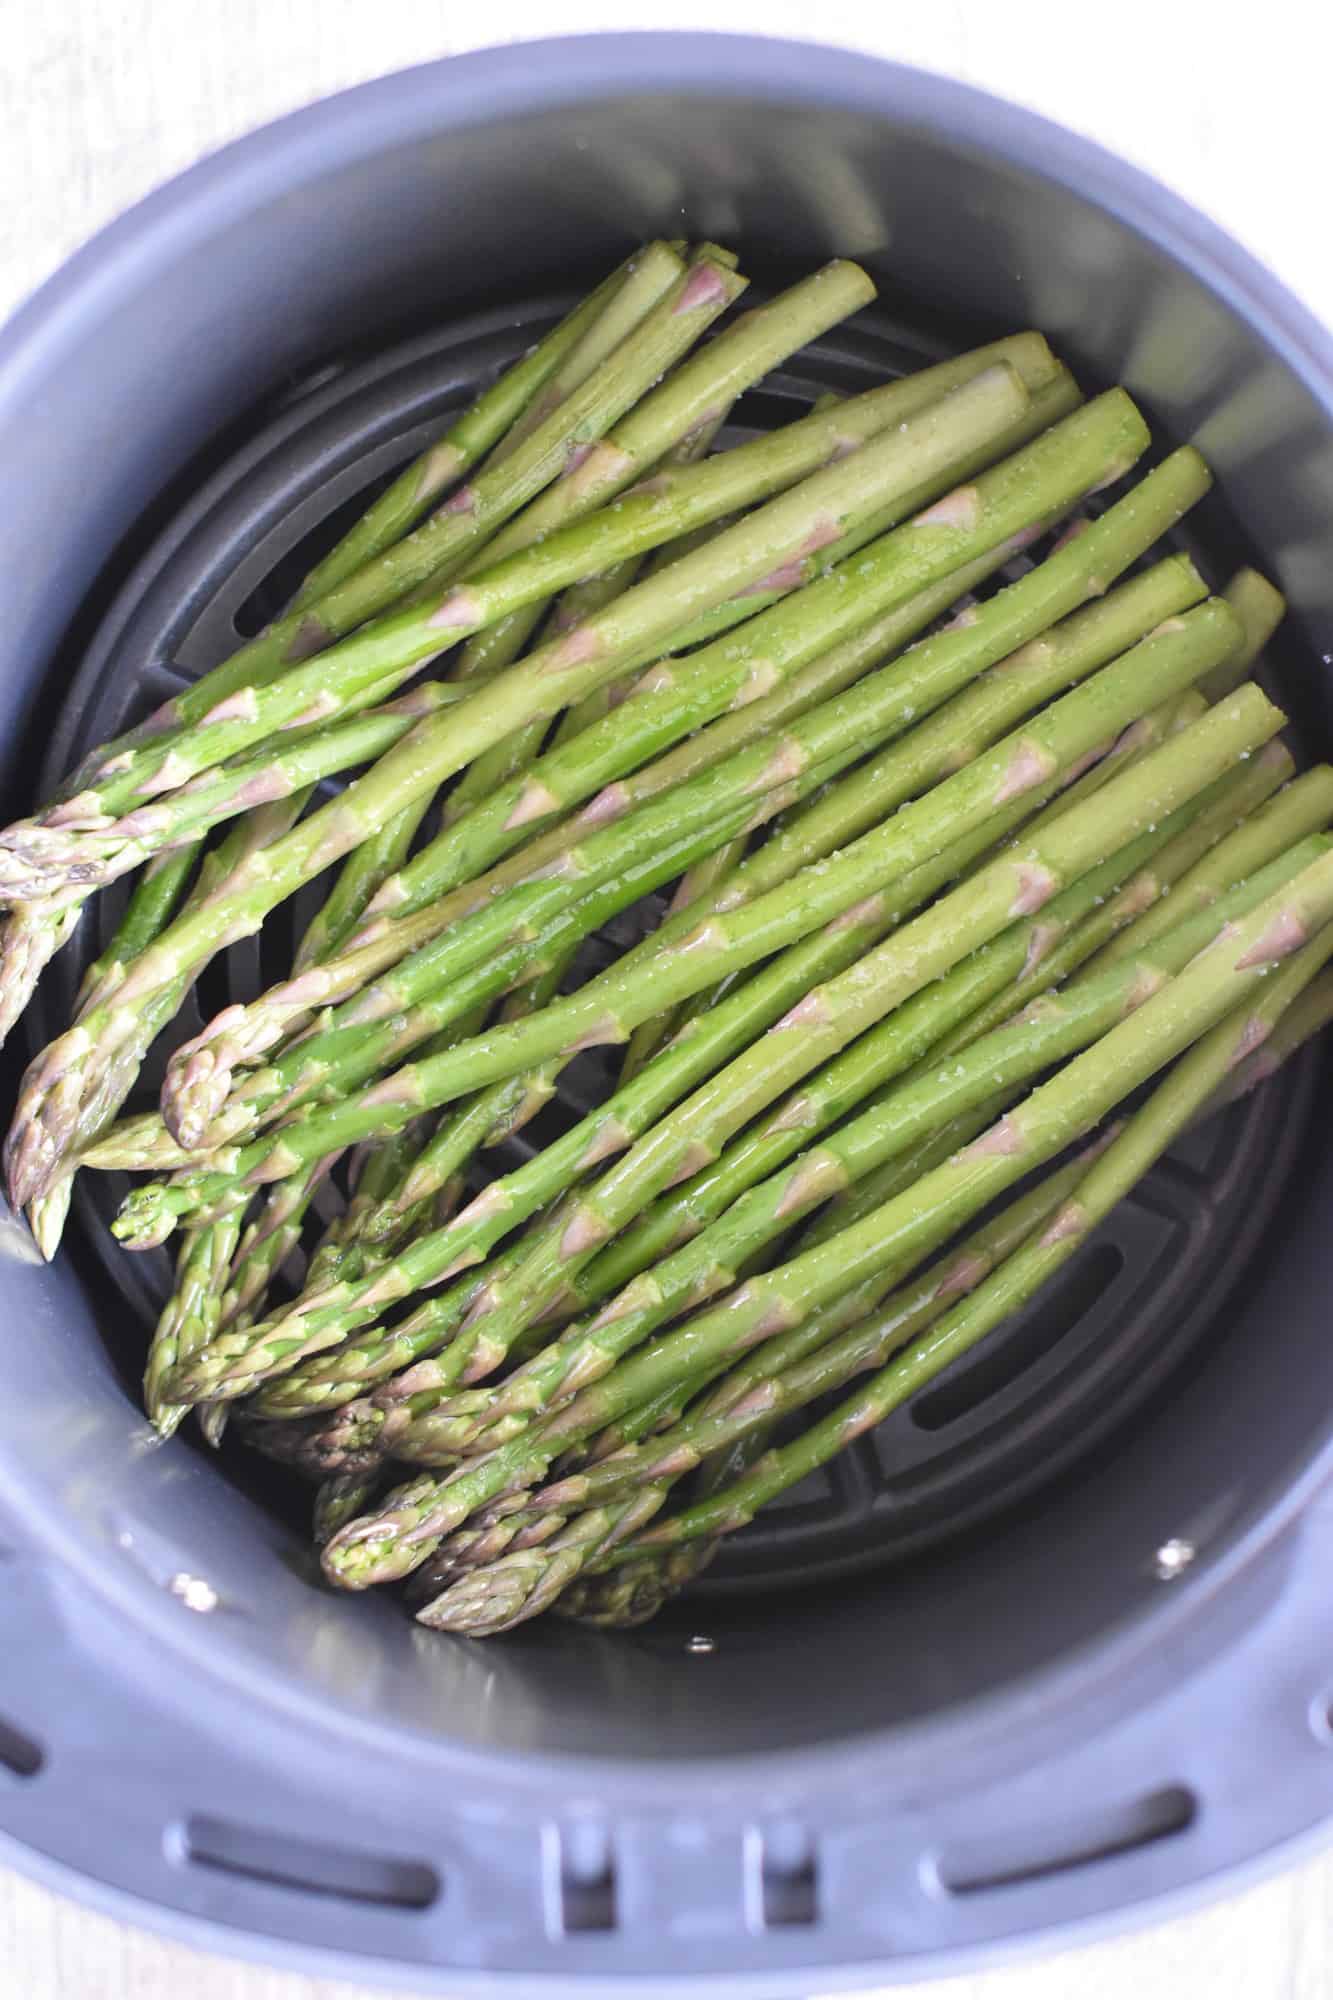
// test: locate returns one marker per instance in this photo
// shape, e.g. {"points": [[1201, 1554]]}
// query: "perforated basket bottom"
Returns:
{"points": [[1132, 1306]]}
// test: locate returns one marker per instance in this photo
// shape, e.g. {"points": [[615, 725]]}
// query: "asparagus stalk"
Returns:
{"points": [[154, 901], [792, 1369], [265, 1245], [895, 1175], [31, 933], [1260, 608], [81, 847], [250, 780], [347, 1373], [382, 1215], [1046, 1033], [583, 600], [151, 906], [608, 1008], [467, 520], [829, 736], [1173, 1106], [643, 279], [1151, 902], [362, 874], [927, 549], [703, 880], [407, 1527], [1302, 1021], [48, 1209], [343, 1375], [339, 1500], [923, 679], [822, 1022], [189, 1319], [488, 420], [982, 991]]}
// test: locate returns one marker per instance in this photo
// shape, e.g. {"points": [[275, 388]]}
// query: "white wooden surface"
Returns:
{"points": [[102, 99]]}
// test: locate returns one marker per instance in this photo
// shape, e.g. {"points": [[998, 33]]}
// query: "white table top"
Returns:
{"points": [[102, 99]]}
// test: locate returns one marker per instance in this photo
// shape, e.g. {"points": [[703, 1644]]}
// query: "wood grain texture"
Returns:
{"points": [[102, 99]]}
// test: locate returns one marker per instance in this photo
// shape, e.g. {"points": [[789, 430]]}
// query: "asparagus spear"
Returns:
{"points": [[189, 1319], [192, 1314], [983, 991], [829, 735], [581, 601], [369, 866], [1225, 841], [924, 678], [343, 1375], [787, 1371], [1046, 1033], [885, 977], [1303, 1020], [362, 874], [703, 880], [255, 779], [876, 1058], [642, 281], [608, 1008], [550, 679], [81, 848], [151, 906], [31, 933], [154, 901], [382, 1214], [468, 519], [1153, 904], [494, 414], [411, 1521], [339, 1500], [1172, 1107], [269, 823], [346, 1373], [1260, 608]]}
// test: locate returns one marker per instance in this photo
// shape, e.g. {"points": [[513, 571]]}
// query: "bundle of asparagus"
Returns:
{"points": [[968, 823]]}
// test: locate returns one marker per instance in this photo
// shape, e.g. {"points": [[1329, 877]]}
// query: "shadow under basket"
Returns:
{"points": [[1054, 1642]]}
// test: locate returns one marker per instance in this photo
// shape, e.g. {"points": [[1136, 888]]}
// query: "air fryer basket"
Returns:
{"points": [[1054, 1643]]}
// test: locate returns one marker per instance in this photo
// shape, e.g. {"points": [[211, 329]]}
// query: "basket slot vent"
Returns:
{"points": [[782, 1878], [1058, 1309], [19, 1754], [308, 1866], [585, 1873], [1029, 1854]]}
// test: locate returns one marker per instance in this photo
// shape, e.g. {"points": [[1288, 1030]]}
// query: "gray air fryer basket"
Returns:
{"points": [[1058, 1645]]}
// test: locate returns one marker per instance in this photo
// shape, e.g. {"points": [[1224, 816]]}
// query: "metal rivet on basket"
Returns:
{"points": [[194, 1593], [1173, 1557], [700, 1643]]}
